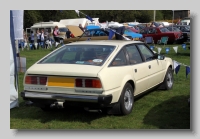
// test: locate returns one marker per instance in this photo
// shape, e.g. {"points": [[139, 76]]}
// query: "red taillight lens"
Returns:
{"points": [[35, 80], [31, 80], [79, 83], [88, 83], [43, 80], [92, 83]]}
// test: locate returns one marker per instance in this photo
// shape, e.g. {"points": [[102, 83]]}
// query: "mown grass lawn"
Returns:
{"points": [[156, 110]]}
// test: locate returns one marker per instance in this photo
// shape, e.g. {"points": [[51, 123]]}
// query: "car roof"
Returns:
{"points": [[106, 42], [97, 29]]}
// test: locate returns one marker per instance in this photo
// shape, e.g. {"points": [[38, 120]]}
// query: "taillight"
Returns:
{"points": [[35, 80], [43, 80], [79, 83], [31, 80], [92, 83], [88, 83]]}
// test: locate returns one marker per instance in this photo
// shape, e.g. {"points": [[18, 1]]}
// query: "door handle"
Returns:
{"points": [[135, 70], [149, 66]]}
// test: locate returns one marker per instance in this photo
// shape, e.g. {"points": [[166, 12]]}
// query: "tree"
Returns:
{"points": [[143, 16], [167, 14]]}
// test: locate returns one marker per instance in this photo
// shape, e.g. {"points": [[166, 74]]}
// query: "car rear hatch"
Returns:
{"points": [[62, 78], [75, 30]]}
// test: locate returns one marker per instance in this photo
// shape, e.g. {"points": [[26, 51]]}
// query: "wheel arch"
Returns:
{"points": [[127, 79]]}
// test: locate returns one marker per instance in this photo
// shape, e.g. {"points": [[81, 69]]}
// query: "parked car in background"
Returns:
{"points": [[97, 75], [158, 32], [185, 35], [173, 28], [90, 34], [97, 34], [185, 21], [130, 32], [185, 30], [140, 26], [165, 24]]}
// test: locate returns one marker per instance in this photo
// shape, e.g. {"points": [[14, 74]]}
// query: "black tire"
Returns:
{"points": [[169, 79], [126, 99]]}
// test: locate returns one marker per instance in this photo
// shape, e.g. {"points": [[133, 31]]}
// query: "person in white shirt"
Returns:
{"points": [[42, 39]]}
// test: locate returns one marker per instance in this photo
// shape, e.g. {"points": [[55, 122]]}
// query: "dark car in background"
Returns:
{"points": [[185, 29], [158, 32], [184, 37]]}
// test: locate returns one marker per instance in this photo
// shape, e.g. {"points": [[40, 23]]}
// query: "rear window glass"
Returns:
{"points": [[164, 30], [80, 54]]}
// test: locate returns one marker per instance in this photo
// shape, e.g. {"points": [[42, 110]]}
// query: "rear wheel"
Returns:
{"points": [[126, 99]]}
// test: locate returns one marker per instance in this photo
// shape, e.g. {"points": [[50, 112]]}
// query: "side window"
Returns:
{"points": [[86, 34], [143, 31], [152, 31], [125, 31], [93, 33], [120, 59], [134, 55], [101, 33], [147, 54]]}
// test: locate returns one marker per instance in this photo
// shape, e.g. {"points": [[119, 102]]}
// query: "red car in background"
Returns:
{"points": [[158, 32]]}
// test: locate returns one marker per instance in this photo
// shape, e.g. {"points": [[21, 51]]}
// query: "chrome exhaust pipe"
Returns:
{"points": [[57, 105]]}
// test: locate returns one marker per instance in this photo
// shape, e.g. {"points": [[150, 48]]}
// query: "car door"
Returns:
{"points": [[140, 68], [153, 66]]}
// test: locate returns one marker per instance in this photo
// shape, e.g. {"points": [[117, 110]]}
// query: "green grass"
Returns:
{"points": [[156, 110]]}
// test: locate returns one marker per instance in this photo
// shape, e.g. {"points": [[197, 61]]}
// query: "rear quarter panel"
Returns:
{"points": [[114, 78]]}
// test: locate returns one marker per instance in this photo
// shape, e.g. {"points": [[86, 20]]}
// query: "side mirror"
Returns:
{"points": [[160, 57]]}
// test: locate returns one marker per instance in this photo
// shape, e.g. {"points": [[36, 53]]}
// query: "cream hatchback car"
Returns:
{"points": [[97, 75]]}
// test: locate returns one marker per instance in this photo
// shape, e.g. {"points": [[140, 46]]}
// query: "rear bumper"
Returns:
{"points": [[99, 99]]}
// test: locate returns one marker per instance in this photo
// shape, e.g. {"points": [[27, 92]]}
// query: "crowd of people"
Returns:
{"points": [[43, 39]]}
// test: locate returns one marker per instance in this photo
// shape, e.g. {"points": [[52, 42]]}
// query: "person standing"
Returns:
{"points": [[179, 22], [32, 40], [68, 33], [46, 38], [81, 27], [55, 34], [42, 39], [38, 38]]}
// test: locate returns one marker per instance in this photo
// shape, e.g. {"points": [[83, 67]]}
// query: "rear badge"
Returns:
{"points": [[35, 88]]}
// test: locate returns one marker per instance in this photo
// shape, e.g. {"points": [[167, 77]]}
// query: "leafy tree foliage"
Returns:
{"points": [[144, 16]]}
